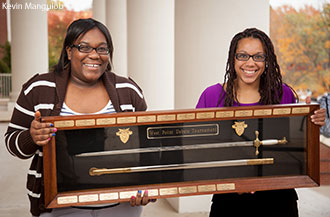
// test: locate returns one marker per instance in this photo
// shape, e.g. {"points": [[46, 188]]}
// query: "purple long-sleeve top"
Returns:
{"points": [[210, 97]]}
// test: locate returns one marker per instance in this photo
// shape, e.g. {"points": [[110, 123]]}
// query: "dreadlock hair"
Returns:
{"points": [[270, 87]]}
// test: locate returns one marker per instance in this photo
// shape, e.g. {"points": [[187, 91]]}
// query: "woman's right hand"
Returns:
{"points": [[41, 133]]}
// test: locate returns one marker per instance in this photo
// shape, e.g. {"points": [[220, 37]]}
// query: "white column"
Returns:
{"points": [[99, 10], [29, 43], [151, 50], [203, 31], [8, 23], [116, 20]]}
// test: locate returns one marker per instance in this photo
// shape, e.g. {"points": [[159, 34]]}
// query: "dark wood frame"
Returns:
{"points": [[53, 199]]}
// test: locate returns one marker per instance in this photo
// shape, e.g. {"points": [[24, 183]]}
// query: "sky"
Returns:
{"points": [[78, 5]]}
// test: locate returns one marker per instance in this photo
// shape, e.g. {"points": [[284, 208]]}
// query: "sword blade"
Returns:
{"points": [[242, 162], [166, 148]]}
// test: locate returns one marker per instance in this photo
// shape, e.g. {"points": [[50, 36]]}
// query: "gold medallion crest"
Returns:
{"points": [[239, 127], [124, 134]]}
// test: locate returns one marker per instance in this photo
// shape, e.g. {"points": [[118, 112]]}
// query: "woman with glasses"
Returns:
{"points": [[82, 82], [253, 78]]}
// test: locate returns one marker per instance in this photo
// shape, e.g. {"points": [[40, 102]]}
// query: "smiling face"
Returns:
{"points": [[87, 68], [249, 72]]}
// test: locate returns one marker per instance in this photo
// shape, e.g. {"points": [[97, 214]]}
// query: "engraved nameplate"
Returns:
{"points": [[282, 111], [226, 187], [187, 116], [166, 117], [144, 119], [85, 122], [105, 121], [225, 114], [60, 124], [182, 131], [187, 189], [301, 110], [153, 192], [126, 120], [262, 112], [67, 199], [206, 188], [205, 115], [88, 198], [243, 113], [109, 196], [168, 191], [127, 194]]}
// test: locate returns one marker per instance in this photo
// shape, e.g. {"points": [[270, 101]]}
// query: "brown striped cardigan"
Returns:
{"points": [[46, 93]]}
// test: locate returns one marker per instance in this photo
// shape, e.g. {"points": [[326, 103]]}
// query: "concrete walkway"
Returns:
{"points": [[313, 202]]}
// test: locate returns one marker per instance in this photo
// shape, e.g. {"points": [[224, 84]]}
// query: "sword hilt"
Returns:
{"points": [[257, 142]]}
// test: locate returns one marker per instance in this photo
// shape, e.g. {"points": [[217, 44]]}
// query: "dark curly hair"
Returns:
{"points": [[270, 87]]}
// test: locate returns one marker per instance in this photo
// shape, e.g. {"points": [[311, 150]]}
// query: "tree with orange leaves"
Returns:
{"points": [[302, 43], [58, 21]]}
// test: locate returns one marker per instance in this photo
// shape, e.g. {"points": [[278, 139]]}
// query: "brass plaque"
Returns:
{"points": [[224, 187], [168, 191], [127, 194], [262, 112], [166, 117], [206, 188], [85, 122], [205, 115], [60, 124], [186, 116], [109, 196], [225, 114], [88, 198], [152, 192], [301, 110], [187, 189], [182, 131], [143, 119], [282, 111], [67, 199], [126, 120], [243, 113], [105, 121]]}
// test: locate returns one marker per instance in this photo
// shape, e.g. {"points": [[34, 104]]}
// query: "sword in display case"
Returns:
{"points": [[256, 143], [197, 165]]}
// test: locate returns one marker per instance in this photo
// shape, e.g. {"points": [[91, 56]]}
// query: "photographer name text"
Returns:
{"points": [[31, 6]]}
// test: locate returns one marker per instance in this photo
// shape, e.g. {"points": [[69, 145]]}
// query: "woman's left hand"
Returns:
{"points": [[319, 115], [139, 200]]}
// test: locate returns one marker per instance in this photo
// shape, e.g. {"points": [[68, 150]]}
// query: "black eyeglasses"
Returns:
{"points": [[246, 57], [87, 49]]}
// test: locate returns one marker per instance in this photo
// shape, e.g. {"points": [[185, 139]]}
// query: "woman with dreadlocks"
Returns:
{"points": [[253, 78]]}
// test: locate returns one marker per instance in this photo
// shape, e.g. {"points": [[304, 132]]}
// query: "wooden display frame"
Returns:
{"points": [[54, 199]]}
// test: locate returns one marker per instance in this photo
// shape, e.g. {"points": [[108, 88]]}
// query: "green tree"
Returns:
{"points": [[5, 62]]}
